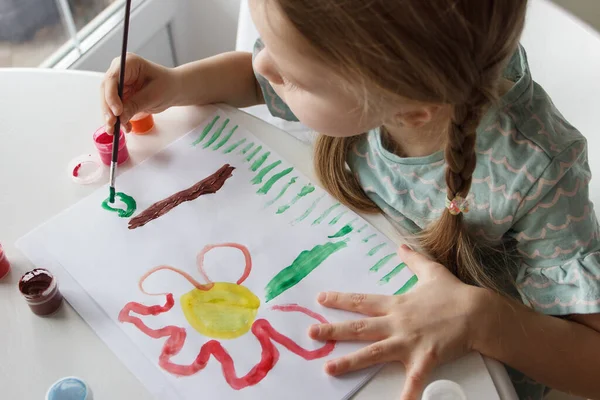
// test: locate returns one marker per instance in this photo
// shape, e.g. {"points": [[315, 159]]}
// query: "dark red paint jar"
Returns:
{"points": [[40, 290], [4, 264]]}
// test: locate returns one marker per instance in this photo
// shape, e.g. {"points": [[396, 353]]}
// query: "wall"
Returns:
{"points": [[204, 28], [587, 10]]}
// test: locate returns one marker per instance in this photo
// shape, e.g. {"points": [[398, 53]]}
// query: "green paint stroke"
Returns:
{"points": [[267, 186], [303, 265], [308, 189], [254, 152], [375, 249], [337, 218], [130, 204], [216, 135], [234, 146], [366, 240], [260, 161], [225, 139], [308, 211], [407, 286], [325, 214], [283, 190], [263, 172], [346, 229], [393, 273], [362, 228], [207, 129], [248, 147], [382, 262]]}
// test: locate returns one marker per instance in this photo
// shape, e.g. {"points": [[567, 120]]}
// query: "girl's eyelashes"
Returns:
{"points": [[289, 84]]}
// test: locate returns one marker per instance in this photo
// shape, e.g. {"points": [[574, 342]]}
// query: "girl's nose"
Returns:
{"points": [[264, 66]]}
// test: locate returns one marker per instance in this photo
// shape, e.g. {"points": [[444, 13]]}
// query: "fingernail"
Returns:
{"points": [[321, 297], [330, 367], [314, 331], [405, 247]]}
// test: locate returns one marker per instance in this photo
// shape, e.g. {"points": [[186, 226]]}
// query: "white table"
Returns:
{"points": [[46, 119]]}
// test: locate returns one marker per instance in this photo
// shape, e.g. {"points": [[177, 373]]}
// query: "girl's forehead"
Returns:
{"points": [[288, 49]]}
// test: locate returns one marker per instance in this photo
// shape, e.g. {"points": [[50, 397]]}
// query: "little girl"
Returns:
{"points": [[427, 112]]}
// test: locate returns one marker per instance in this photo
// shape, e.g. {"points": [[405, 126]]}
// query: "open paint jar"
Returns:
{"points": [[40, 290], [444, 390], [69, 388], [4, 264], [142, 123], [104, 144]]}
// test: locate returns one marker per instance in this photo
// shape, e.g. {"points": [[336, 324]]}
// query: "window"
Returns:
{"points": [[42, 32]]}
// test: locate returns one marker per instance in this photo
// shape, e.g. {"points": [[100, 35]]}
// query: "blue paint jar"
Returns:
{"points": [[69, 388]]}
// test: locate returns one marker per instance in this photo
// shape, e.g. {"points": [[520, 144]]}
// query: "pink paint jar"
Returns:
{"points": [[104, 144], [4, 264], [40, 290]]}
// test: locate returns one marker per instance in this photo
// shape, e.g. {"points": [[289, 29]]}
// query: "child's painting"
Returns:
{"points": [[203, 276]]}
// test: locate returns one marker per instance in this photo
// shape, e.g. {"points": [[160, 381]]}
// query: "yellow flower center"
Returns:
{"points": [[226, 311]]}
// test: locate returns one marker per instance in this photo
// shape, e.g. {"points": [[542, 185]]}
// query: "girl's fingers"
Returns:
{"points": [[370, 329], [376, 353], [417, 375], [138, 102], [109, 118], [368, 304], [111, 93]]}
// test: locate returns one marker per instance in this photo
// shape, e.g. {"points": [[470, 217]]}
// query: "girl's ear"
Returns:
{"points": [[417, 116]]}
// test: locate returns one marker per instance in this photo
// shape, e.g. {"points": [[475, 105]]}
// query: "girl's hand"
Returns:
{"points": [[426, 327], [147, 87]]}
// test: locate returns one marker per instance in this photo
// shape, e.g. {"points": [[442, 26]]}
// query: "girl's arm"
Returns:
{"points": [[560, 353], [224, 78]]}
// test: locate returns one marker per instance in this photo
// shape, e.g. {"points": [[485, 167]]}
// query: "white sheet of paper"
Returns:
{"points": [[99, 263]]}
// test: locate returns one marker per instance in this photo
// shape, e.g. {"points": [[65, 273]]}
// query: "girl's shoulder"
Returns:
{"points": [[525, 127]]}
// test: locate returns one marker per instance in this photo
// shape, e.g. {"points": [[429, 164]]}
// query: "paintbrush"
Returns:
{"points": [[117, 128]]}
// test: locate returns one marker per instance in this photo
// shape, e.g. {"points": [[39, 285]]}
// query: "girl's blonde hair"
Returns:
{"points": [[442, 52]]}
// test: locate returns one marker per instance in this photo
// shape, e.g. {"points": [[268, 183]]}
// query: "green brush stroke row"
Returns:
{"points": [[306, 190], [325, 214], [306, 262], [283, 190], [248, 147], [254, 153], [393, 273], [337, 218], [260, 161], [273, 180], [234, 146], [225, 139], [346, 229], [263, 172], [375, 249], [308, 211], [362, 228], [205, 131], [216, 135], [382, 262], [366, 240], [408, 285]]}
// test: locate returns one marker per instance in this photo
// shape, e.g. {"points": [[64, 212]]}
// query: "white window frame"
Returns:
{"points": [[101, 38]]}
